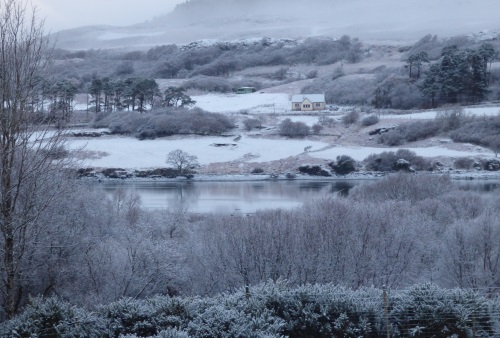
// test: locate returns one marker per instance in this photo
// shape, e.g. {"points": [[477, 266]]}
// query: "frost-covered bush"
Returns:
{"points": [[477, 130], [451, 119], [53, 318], [270, 310], [322, 310], [350, 118], [370, 120], [425, 310], [410, 132], [167, 122], [344, 165], [145, 318], [326, 121], [403, 187], [317, 128], [252, 123], [387, 160], [293, 129]]}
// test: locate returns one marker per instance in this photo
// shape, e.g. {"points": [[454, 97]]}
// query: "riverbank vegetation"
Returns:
{"points": [[126, 268]]}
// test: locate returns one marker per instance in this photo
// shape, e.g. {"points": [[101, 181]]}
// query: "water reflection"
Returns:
{"points": [[247, 197], [230, 197]]}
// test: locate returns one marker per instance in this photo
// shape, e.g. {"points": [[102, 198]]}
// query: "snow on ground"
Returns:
{"points": [[128, 152], [360, 153], [255, 102], [131, 153], [431, 114]]}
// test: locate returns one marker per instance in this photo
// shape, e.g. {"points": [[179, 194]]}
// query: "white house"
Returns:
{"points": [[308, 102]]}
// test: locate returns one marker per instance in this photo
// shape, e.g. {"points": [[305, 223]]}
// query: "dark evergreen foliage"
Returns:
{"points": [[461, 76], [344, 165]]}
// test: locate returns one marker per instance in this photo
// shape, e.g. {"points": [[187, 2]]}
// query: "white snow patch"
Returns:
{"points": [[128, 152], [254, 103]]}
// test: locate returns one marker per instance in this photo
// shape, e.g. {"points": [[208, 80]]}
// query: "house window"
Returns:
{"points": [[306, 106], [297, 105], [317, 105]]}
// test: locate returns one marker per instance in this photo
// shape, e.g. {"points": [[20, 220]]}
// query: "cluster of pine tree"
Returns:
{"points": [[131, 94], [461, 76]]}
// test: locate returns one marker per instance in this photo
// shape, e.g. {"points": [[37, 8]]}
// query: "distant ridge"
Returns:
{"points": [[381, 21]]}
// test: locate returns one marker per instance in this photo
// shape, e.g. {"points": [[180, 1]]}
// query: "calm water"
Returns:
{"points": [[248, 196], [231, 197]]}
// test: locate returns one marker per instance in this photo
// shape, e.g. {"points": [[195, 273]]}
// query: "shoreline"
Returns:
{"points": [[458, 175]]}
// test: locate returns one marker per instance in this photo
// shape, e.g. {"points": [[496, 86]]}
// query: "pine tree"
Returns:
{"points": [[478, 81]]}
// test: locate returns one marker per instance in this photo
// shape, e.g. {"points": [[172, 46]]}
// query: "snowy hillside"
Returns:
{"points": [[372, 21]]}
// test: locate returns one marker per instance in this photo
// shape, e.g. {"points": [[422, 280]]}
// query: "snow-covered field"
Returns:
{"points": [[130, 153], [255, 103]]}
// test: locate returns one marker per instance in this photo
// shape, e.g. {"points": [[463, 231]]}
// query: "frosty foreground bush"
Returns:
{"points": [[272, 309], [164, 123]]}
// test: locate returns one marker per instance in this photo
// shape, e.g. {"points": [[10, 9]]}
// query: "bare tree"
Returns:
{"points": [[181, 160], [29, 175]]}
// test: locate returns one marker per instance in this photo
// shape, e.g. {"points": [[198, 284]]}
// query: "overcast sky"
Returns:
{"points": [[64, 14]]}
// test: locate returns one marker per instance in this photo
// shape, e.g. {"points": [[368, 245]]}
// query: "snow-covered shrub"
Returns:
{"points": [[425, 310], [326, 121], [370, 120], [316, 128], [387, 160], [344, 165], [167, 122], [350, 118], [293, 129], [145, 317], [480, 131], [271, 310], [451, 119], [226, 320], [410, 132], [53, 318], [403, 187], [252, 123], [321, 310]]}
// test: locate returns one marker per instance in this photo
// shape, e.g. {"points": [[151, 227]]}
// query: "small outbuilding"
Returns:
{"points": [[245, 90], [308, 102]]}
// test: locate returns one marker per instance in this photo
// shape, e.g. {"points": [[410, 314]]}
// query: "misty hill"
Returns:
{"points": [[382, 21]]}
